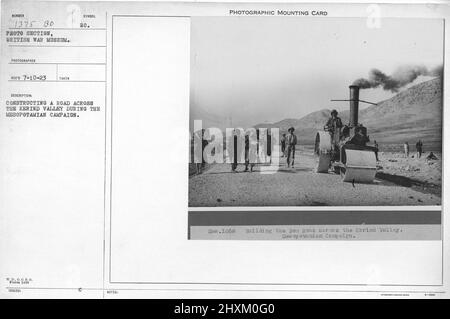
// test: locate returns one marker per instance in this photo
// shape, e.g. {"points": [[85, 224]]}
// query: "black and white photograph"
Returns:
{"points": [[288, 111], [202, 150]]}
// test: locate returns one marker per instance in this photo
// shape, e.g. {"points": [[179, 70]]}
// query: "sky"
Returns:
{"points": [[250, 70]]}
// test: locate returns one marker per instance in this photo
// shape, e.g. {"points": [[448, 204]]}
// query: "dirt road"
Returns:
{"points": [[298, 186]]}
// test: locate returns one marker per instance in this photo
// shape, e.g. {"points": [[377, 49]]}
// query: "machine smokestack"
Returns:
{"points": [[354, 105]]}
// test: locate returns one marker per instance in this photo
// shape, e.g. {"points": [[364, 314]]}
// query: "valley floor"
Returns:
{"points": [[419, 173], [399, 182]]}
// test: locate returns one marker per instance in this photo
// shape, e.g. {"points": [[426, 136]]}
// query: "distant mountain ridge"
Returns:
{"points": [[415, 113]]}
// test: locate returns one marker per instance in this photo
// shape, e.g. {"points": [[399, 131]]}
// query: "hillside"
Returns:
{"points": [[415, 113]]}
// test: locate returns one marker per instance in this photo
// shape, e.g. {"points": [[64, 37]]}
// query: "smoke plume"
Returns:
{"points": [[401, 77]]}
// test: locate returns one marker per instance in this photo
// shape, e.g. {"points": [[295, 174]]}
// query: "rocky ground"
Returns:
{"points": [[399, 181], [421, 174]]}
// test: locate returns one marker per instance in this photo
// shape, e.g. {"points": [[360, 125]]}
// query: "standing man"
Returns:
{"points": [[419, 149], [199, 157], [283, 144], [334, 125], [334, 122], [376, 150], [359, 138], [406, 148], [269, 146], [204, 144], [291, 141], [233, 144], [249, 157], [247, 149]]}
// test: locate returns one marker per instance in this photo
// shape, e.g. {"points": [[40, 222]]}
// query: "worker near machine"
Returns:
{"points": [[406, 148], [419, 149], [359, 138], [204, 144], [199, 158], [431, 156], [283, 144], [248, 155], [233, 141], [269, 147], [375, 144], [334, 123], [291, 141]]}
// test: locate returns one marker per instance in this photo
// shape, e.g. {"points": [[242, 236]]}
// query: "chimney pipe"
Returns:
{"points": [[354, 103]]}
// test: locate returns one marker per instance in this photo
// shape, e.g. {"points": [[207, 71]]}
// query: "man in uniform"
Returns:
{"points": [[199, 142], [250, 152], [431, 156], [375, 144], [419, 149], [359, 138], [283, 144], [233, 150], [334, 125], [291, 141]]}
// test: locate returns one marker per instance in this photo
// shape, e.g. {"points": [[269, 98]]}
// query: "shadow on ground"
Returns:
{"points": [[409, 182], [294, 170]]}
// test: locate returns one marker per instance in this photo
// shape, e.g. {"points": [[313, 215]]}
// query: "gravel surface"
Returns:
{"points": [[420, 169], [298, 186]]}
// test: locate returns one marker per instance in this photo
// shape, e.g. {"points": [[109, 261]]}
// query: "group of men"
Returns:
{"points": [[340, 135], [287, 141], [334, 125]]}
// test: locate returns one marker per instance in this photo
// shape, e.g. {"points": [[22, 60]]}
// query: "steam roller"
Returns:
{"points": [[344, 150]]}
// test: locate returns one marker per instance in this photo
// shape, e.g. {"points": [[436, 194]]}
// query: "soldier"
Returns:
{"points": [[406, 148], [419, 149], [334, 125], [431, 156], [250, 152], [283, 144], [359, 138], [199, 159], [232, 150], [291, 141], [269, 147], [376, 149]]}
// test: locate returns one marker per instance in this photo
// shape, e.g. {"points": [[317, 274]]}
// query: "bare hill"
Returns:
{"points": [[415, 113]]}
